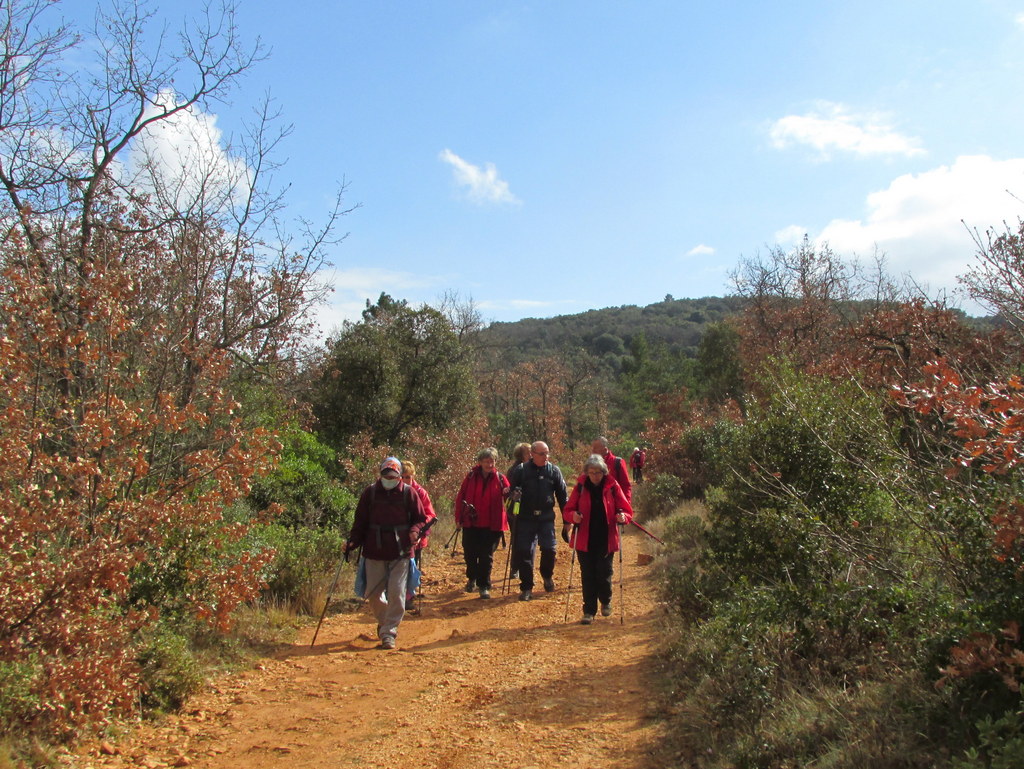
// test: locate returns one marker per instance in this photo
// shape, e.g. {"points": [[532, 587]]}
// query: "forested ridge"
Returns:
{"points": [[834, 457]]}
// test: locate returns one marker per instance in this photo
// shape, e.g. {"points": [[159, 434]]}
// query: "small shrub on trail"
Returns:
{"points": [[302, 559], [657, 497], [170, 673]]}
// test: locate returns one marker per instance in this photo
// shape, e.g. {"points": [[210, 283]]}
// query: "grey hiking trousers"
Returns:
{"points": [[386, 582]]}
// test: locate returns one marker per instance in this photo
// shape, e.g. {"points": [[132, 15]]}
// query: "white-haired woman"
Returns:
{"points": [[597, 504]]}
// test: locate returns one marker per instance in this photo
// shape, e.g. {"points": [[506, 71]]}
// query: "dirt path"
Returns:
{"points": [[473, 684]]}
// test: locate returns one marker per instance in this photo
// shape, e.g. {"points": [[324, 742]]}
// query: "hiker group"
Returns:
{"points": [[394, 515]]}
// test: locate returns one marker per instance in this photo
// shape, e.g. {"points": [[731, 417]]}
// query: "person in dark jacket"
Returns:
{"points": [[480, 513], [539, 484], [387, 525], [595, 508]]}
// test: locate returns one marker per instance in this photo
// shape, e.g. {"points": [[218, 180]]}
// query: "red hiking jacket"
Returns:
{"points": [[614, 502], [617, 470], [487, 495], [428, 510]]}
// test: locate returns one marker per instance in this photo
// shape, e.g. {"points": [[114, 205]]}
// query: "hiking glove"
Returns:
{"points": [[565, 533]]}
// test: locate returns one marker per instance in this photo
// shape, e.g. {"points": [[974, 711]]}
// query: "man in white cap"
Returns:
{"points": [[387, 525]]}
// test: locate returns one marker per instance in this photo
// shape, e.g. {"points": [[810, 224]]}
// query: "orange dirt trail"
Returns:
{"points": [[473, 684]]}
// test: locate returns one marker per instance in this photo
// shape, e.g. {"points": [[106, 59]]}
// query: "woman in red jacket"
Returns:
{"points": [[480, 513], [596, 505], [409, 477]]}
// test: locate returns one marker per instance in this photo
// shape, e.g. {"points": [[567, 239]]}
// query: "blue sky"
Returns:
{"points": [[545, 158]]}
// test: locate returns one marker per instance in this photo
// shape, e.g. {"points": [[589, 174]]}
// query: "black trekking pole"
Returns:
{"points": [[572, 560], [453, 538], [622, 590], [330, 595], [418, 595]]}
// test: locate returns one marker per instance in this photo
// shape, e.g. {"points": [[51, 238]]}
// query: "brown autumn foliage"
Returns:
{"points": [[117, 436], [443, 458], [134, 300]]}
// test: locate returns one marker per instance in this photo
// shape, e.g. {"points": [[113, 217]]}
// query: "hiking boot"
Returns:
{"points": [[606, 609], [587, 619], [471, 586], [526, 595], [387, 642], [549, 585], [485, 593]]}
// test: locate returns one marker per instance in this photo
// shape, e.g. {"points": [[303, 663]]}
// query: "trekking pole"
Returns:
{"points": [[330, 595], [507, 582], [622, 589], [572, 560], [645, 531]]}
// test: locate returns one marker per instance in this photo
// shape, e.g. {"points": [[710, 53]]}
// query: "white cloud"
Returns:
{"points": [[1019, 19], [919, 220], [790, 235], [833, 127], [483, 185], [353, 287], [182, 157], [700, 250]]}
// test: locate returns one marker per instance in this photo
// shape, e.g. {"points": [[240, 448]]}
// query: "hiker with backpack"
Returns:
{"points": [[387, 524], [595, 510], [538, 485], [409, 477], [616, 465], [480, 513], [637, 460]]}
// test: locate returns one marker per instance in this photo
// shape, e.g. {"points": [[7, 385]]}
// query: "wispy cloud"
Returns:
{"points": [[1019, 19], [700, 250], [833, 127], [919, 219], [482, 185]]}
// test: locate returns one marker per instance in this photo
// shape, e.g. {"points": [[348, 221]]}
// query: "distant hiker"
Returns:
{"points": [[637, 460], [409, 477], [387, 525], [616, 465], [480, 512], [597, 504], [539, 485], [520, 454]]}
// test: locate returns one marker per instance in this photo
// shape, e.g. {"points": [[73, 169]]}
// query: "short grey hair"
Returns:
{"points": [[595, 460], [490, 451]]}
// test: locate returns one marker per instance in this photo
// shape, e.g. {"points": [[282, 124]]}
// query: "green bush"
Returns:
{"points": [[1000, 744], [302, 557], [657, 497], [18, 697], [303, 485], [170, 673]]}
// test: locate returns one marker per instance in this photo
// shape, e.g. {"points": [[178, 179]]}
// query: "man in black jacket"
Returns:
{"points": [[538, 484]]}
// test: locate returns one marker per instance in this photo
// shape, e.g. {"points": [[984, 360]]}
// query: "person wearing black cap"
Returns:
{"points": [[387, 524]]}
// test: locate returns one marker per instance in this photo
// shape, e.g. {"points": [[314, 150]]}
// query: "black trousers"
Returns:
{"points": [[479, 545], [596, 576], [530, 532]]}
